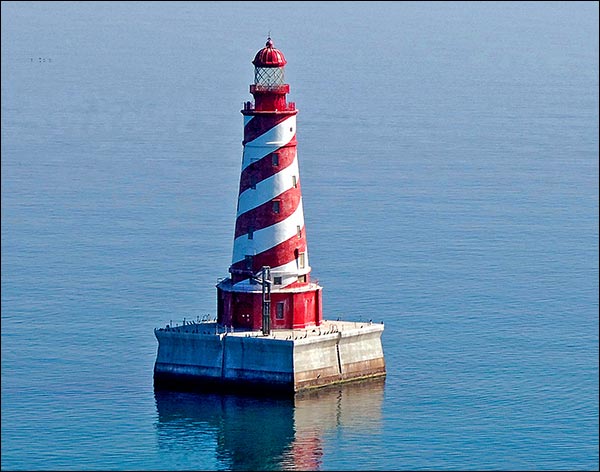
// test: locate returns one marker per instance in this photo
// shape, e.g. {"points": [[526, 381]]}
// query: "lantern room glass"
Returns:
{"points": [[268, 76]]}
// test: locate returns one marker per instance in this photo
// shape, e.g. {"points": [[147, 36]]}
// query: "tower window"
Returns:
{"points": [[250, 232], [275, 157], [302, 279], [301, 260], [249, 261], [253, 182], [299, 231], [294, 181], [280, 310], [276, 206], [277, 280]]}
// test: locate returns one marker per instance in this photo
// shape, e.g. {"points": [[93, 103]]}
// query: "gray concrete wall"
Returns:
{"points": [[189, 353], [316, 361], [361, 354], [337, 357], [255, 359], [301, 363]]}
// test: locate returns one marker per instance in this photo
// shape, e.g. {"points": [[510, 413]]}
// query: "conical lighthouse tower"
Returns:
{"points": [[269, 286], [269, 333]]}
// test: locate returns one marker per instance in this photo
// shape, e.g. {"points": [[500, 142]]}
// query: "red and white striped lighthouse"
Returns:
{"points": [[270, 285]]}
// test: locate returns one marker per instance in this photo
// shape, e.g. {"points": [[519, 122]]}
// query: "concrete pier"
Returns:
{"points": [[206, 355]]}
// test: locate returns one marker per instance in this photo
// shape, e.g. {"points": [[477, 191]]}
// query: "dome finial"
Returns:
{"points": [[269, 56]]}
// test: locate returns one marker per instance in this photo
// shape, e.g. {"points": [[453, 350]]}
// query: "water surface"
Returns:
{"points": [[449, 165]]}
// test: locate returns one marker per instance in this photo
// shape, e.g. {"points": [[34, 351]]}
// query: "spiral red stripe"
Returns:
{"points": [[262, 216], [264, 168], [258, 126], [277, 255]]}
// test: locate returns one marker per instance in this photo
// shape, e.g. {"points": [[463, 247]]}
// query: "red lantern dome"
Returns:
{"points": [[269, 56]]}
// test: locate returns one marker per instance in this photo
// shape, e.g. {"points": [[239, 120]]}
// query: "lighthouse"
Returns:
{"points": [[269, 285], [269, 334]]}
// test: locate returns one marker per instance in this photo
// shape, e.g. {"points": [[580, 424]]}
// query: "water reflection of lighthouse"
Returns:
{"points": [[265, 433]]}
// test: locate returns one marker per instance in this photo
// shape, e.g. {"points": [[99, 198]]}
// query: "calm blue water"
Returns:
{"points": [[449, 163]]}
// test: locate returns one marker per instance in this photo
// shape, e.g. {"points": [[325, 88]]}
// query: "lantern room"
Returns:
{"points": [[269, 87], [268, 66]]}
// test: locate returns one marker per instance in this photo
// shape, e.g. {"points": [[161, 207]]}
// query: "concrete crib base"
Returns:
{"points": [[199, 356]]}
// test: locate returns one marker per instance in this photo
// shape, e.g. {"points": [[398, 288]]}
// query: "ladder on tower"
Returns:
{"points": [[266, 300]]}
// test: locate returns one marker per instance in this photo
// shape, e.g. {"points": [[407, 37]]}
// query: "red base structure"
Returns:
{"points": [[289, 309]]}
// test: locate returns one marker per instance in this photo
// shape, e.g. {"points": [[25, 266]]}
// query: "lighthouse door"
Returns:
{"points": [[243, 316]]}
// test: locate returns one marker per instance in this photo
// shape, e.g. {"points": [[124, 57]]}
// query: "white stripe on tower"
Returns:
{"points": [[288, 272], [269, 237], [273, 139], [268, 188]]}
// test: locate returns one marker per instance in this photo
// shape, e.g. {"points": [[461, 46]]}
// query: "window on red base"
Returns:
{"points": [[279, 314]]}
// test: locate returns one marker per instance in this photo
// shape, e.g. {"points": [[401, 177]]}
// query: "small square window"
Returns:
{"points": [[250, 233], [302, 279], [276, 206], [299, 231], [253, 182], [275, 157], [277, 280], [294, 181]]}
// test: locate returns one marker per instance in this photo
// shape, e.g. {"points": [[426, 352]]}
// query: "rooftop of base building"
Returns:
{"points": [[326, 327], [255, 287]]}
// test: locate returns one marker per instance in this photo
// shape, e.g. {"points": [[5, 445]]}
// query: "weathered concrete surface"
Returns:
{"points": [[252, 359], [353, 352], [287, 360], [189, 353], [316, 361]]}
